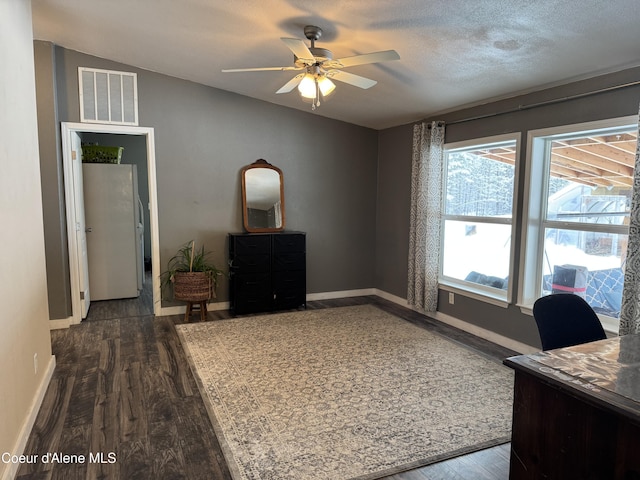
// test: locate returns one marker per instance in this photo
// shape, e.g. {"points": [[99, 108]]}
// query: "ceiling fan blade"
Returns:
{"points": [[260, 69], [351, 79], [291, 84], [374, 57], [299, 49]]}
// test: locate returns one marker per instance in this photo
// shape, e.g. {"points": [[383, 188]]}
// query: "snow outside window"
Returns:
{"points": [[478, 215]]}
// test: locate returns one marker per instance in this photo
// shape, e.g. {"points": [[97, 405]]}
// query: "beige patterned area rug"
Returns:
{"points": [[343, 393]]}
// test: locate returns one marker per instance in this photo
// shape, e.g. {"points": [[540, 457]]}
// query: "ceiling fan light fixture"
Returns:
{"points": [[307, 86], [326, 86]]}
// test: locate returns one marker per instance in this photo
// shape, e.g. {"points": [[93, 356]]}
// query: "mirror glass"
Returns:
{"points": [[262, 197]]}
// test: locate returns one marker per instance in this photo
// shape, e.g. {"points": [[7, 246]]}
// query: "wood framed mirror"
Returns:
{"points": [[262, 197]]}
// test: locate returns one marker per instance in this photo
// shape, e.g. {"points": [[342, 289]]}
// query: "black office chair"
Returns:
{"points": [[565, 319]]}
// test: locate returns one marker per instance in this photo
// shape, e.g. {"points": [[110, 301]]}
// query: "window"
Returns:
{"points": [[478, 210], [579, 200]]}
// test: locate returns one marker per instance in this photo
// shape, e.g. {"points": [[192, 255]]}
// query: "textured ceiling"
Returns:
{"points": [[453, 53]]}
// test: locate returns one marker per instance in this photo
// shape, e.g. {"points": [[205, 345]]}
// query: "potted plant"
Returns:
{"points": [[191, 275]]}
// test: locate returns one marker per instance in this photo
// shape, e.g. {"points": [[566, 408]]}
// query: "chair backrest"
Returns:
{"points": [[565, 319]]}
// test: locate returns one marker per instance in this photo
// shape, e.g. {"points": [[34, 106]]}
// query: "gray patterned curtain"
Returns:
{"points": [[426, 214], [630, 311]]}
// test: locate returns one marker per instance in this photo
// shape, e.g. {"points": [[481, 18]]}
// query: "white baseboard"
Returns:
{"points": [[60, 323], [181, 309], [467, 327], [494, 337], [393, 298], [12, 468]]}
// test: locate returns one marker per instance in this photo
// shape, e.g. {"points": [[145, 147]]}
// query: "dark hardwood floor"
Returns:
{"points": [[122, 387]]}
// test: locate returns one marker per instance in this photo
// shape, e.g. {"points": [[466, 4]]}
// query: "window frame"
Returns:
{"points": [[483, 293], [534, 221]]}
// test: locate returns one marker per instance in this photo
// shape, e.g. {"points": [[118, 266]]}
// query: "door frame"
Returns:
{"points": [[67, 128]]}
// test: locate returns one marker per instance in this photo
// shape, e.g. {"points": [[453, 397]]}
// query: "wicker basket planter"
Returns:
{"points": [[193, 286], [190, 276]]}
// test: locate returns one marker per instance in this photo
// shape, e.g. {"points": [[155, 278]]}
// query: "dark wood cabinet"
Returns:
{"points": [[267, 271]]}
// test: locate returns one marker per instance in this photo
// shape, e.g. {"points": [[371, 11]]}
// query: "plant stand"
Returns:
{"points": [[201, 305], [194, 288]]}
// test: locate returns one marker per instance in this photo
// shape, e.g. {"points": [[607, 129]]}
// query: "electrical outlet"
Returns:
{"points": [[35, 363], [452, 298]]}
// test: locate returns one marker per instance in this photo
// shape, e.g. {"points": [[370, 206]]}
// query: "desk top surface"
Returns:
{"points": [[607, 369]]}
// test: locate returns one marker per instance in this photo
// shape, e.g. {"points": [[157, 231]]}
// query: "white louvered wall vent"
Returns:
{"points": [[107, 96]]}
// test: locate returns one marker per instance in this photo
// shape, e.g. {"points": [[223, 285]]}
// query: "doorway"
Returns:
{"points": [[72, 136]]}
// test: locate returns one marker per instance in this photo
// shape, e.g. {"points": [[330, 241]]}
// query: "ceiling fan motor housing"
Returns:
{"points": [[320, 55], [312, 32]]}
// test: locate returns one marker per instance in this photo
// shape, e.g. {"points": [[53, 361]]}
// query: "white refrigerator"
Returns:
{"points": [[115, 230]]}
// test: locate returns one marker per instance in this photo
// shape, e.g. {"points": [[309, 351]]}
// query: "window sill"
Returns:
{"points": [[476, 294], [526, 309], [610, 325]]}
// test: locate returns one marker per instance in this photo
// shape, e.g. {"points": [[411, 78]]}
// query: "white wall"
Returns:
{"points": [[24, 316]]}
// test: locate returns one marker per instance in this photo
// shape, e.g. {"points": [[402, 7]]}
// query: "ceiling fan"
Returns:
{"points": [[319, 67]]}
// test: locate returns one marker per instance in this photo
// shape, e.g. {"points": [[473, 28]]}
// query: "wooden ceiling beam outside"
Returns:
{"points": [[601, 155], [604, 160]]}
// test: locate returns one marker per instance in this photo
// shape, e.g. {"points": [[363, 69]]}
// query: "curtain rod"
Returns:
{"points": [[546, 102]]}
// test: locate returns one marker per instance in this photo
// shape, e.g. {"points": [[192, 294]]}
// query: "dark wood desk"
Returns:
{"points": [[576, 412]]}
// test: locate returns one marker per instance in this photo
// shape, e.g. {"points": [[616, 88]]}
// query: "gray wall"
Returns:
{"points": [[205, 136], [55, 229], [394, 202], [395, 171]]}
